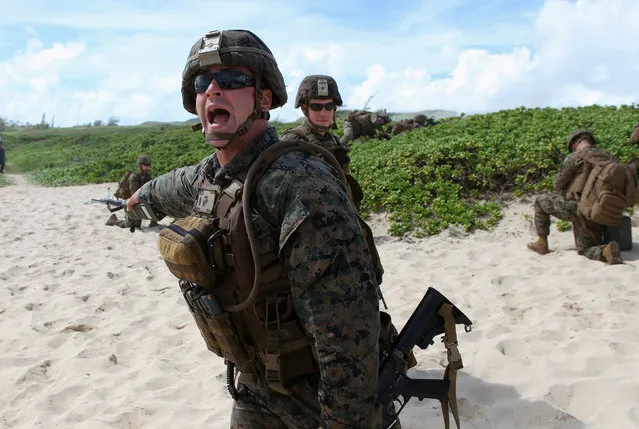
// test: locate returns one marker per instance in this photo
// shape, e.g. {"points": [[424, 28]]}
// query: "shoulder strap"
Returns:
{"points": [[297, 132], [258, 168], [593, 159], [454, 363]]}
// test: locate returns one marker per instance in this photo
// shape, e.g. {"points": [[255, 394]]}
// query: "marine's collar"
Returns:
{"points": [[240, 162]]}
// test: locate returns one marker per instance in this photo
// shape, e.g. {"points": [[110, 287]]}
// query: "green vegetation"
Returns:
{"points": [[459, 172], [456, 173], [563, 225]]}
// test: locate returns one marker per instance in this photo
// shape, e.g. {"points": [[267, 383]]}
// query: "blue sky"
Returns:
{"points": [[83, 61]]}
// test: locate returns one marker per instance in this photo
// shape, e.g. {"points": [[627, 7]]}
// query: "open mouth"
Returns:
{"points": [[218, 116]]}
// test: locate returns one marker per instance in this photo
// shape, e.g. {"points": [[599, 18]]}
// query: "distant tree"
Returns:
{"points": [[3, 124], [44, 119], [97, 123], [113, 121]]}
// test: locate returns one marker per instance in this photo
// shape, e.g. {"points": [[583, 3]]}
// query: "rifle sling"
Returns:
{"points": [[454, 364]]}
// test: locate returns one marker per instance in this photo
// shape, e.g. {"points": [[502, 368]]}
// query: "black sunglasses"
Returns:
{"points": [[226, 79], [316, 107]]}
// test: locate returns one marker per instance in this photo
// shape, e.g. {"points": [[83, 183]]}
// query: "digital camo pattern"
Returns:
{"points": [[634, 136], [588, 235], [364, 124], [136, 180], [304, 216], [340, 151], [404, 125], [328, 141], [572, 165]]}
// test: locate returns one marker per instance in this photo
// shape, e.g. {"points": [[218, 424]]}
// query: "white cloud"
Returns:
{"points": [[584, 53], [565, 53]]}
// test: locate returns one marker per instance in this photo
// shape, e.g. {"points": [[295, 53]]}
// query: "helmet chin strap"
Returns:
{"points": [[246, 126]]}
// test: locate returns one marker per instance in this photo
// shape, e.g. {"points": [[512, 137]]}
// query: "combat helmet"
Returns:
{"points": [[318, 86], [321, 87], [234, 48], [577, 135], [144, 160], [420, 118]]}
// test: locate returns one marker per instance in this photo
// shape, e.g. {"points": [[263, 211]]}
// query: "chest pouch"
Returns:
{"points": [[193, 251]]}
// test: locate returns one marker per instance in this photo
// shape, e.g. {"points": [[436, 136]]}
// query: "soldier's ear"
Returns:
{"points": [[267, 100]]}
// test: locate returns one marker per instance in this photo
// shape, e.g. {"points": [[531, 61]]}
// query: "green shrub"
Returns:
{"points": [[456, 173]]}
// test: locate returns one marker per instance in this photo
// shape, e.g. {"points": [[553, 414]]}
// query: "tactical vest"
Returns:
{"points": [[337, 150], [240, 299]]}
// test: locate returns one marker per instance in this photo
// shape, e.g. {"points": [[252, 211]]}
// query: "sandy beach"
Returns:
{"points": [[94, 333]]}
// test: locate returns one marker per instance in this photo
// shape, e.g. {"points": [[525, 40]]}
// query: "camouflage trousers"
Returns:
{"points": [[349, 132], [259, 407], [588, 235]]}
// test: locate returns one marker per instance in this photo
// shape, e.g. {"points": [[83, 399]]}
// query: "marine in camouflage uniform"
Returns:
{"points": [[301, 215], [363, 124], [419, 121], [634, 136], [318, 96], [322, 92], [136, 180], [563, 203]]}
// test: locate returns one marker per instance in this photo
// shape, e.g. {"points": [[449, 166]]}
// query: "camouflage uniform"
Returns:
{"points": [[136, 180], [364, 124], [588, 235], [634, 137], [404, 125], [340, 151], [331, 281], [328, 141], [419, 121]]}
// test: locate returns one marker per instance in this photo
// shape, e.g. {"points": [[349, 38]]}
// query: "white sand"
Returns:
{"points": [[95, 334]]}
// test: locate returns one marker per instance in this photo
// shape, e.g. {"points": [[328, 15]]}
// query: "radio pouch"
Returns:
{"points": [[193, 250]]}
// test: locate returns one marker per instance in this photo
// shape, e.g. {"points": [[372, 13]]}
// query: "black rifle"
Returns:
{"points": [[140, 211], [427, 321]]}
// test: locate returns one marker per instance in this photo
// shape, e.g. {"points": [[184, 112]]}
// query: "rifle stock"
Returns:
{"points": [[423, 325]]}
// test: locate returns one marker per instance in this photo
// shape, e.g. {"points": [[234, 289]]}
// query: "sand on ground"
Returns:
{"points": [[95, 333]]}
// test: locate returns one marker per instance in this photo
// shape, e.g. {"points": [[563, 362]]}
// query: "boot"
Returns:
{"points": [[612, 253], [540, 246], [112, 220], [153, 223]]}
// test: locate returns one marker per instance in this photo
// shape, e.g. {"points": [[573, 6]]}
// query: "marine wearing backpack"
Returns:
{"points": [[123, 192], [606, 187], [591, 189]]}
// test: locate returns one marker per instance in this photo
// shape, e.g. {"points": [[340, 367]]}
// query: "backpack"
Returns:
{"points": [[123, 192], [610, 186]]}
